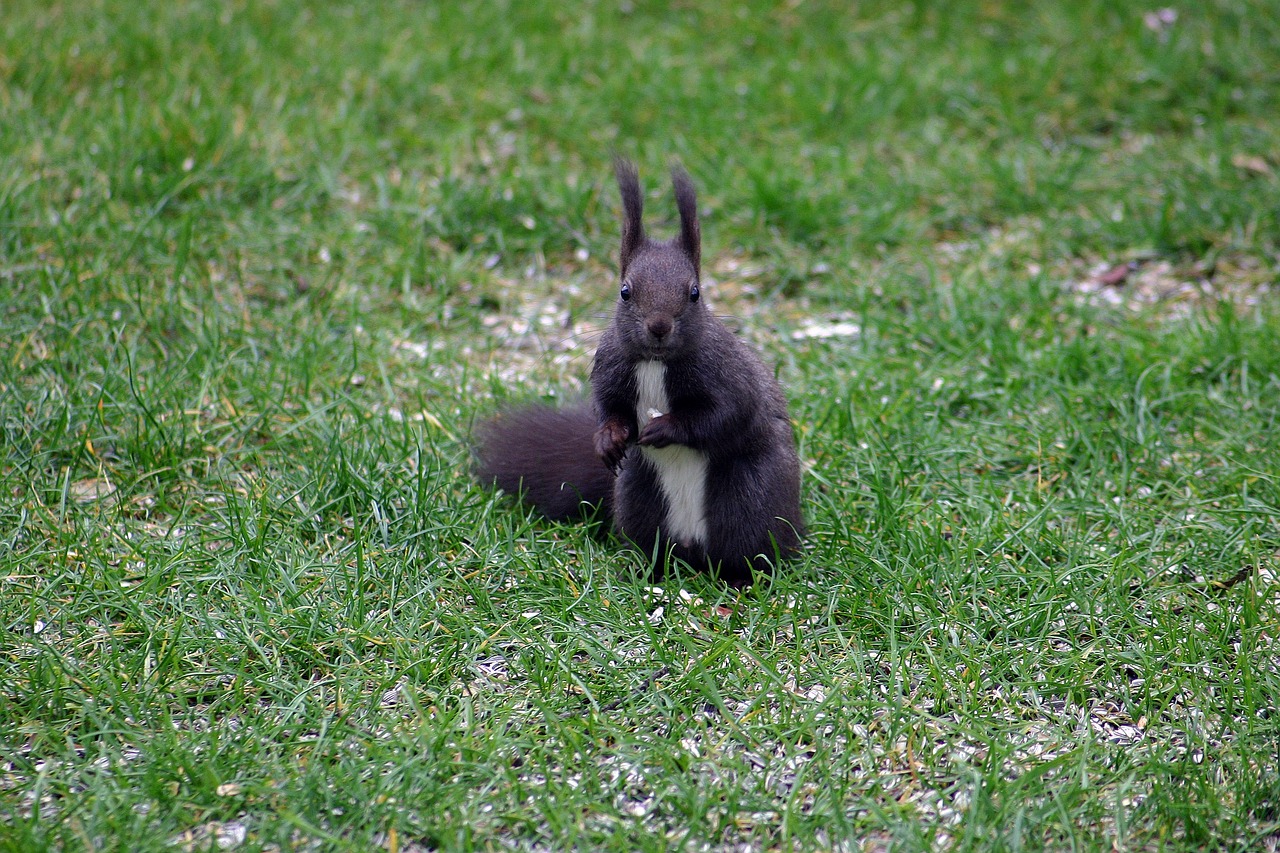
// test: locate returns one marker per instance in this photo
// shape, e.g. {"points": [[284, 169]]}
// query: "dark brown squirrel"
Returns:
{"points": [[686, 444]]}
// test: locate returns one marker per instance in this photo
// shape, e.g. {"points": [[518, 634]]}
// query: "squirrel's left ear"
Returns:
{"points": [[687, 204]]}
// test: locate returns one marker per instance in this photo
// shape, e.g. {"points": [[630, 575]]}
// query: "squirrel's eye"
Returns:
{"points": [[626, 292], [693, 293]]}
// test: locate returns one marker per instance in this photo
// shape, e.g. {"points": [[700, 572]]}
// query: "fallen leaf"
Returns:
{"points": [[1251, 163], [1160, 20], [92, 489], [820, 330], [1116, 275]]}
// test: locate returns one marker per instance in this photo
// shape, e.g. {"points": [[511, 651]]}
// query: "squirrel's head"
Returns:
{"points": [[660, 309]]}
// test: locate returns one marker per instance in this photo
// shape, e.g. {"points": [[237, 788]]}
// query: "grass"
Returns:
{"points": [[263, 265]]}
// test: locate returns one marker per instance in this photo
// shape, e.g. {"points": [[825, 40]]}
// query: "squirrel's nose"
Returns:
{"points": [[659, 327]]}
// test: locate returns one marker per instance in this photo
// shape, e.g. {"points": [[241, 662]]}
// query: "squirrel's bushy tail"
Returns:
{"points": [[548, 457]]}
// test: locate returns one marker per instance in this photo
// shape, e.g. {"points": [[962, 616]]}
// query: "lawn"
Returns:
{"points": [[264, 265]]}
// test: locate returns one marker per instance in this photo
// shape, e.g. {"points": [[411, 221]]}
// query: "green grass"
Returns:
{"points": [[263, 265]]}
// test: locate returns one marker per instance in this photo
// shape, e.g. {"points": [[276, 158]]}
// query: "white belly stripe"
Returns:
{"points": [[682, 471]]}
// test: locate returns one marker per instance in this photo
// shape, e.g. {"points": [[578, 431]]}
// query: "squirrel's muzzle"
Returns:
{"points": [[659, 327]]}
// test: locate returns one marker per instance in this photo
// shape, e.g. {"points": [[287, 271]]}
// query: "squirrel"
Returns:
{"points": [[686, 444]]}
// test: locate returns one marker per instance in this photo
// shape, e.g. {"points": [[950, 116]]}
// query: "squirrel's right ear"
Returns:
{"points": [[632, 208]]}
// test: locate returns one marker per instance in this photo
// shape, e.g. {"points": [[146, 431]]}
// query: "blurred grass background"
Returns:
{"points": [[263, 263]]}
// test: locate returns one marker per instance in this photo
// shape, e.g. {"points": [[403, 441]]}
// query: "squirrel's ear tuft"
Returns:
{"points": [[687, 204], [632, 209]]}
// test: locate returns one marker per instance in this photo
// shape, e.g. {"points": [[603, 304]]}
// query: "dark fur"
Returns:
{"points": [[548, 456], [723, 402]]}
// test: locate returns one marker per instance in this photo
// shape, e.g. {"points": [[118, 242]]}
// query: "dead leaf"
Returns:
{"points": [[1116, 275], [1251, 163], [92, 489], [224, 835], [1160, 20]]}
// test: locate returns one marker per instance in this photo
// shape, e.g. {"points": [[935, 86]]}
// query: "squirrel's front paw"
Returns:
{"points": [[611, 442], [660, 432]]}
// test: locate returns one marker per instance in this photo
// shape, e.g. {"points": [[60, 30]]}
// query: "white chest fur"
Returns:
{"points": [[682, 471]]}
